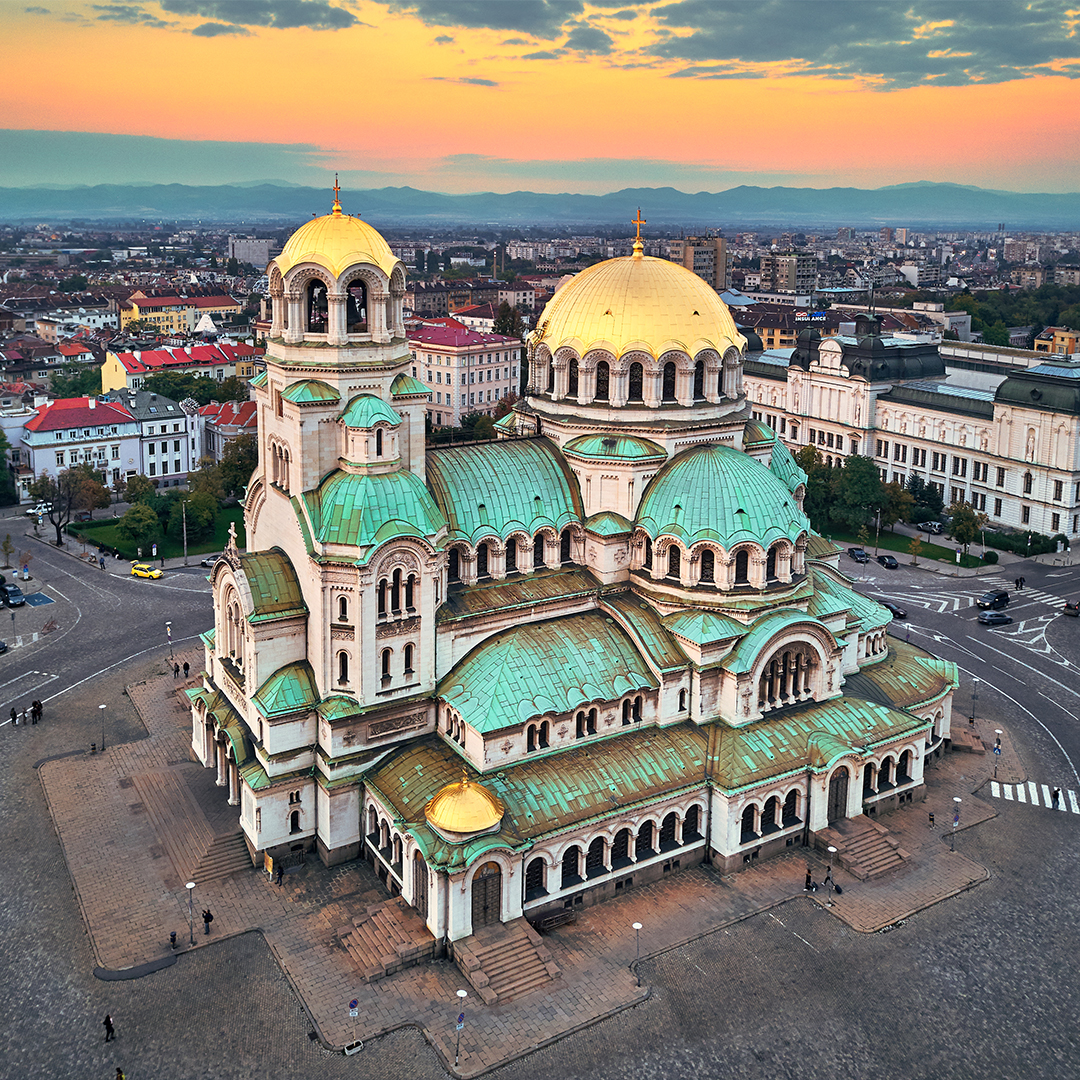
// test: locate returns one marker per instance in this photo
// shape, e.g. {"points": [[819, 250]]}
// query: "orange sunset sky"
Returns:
{"points": [[542, 95]]}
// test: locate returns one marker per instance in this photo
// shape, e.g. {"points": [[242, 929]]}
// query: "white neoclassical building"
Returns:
{"points": [[530, 674]]}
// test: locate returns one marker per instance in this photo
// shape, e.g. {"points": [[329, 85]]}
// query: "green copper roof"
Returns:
{"points": [[290, 689], [704, 627], [366, 410], [831, 595], [547, 667], [500, 487], [310, 392], [647, 630], [259, 380], [907, 678], [518, 591], [784, 466], [816, 734], [757, 433], [405, 386], [362, 510], [719, 493], [615, 448], [607, 523], [818, 547], [507, 423], [743, 657], [338, 706], [275, 589]]}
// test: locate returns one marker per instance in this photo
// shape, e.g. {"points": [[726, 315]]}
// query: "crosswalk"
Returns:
{"points": [[1025, 594], [1035, 795]]}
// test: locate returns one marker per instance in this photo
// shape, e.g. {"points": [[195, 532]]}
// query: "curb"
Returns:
{"points": [[137, 972]]}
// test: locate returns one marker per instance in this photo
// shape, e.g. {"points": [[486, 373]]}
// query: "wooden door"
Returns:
{"points": [[838, 788], [486, 896]]}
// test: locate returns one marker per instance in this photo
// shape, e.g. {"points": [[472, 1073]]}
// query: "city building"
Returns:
{"points": [[526, 675], [220, 361], [706, 256], [166, 438], [171, 313], [788, 273], [1009, 445], [463, 370], [246, 249], [1058, 339], [1066, 274], [217, 424]]}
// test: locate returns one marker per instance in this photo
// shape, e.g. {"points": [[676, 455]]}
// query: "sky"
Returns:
{"points": [[584, 96]]}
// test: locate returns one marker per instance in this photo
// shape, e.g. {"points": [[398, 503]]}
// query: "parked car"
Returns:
{"points": [[994, 599], [83, 515], [888, 561], [3, 647], [933, 527], [1072, 607], [994, 618], [210, 560], [858, 555], [12, 595], [897, 612], [141, 569], [38, 509]]}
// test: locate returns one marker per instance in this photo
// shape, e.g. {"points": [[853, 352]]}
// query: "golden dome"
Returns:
{"points": [[336, 241], [464, 807], [637, 302]]}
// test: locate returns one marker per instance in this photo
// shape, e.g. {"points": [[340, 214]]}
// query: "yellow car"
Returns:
{"points": [[142, 569]]}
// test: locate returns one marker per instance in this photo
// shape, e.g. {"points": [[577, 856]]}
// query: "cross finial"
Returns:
{"points": [[638, 221], [337, 192]]}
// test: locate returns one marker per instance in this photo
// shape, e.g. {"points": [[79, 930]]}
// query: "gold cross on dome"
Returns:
{"points": [[638, 221], [337, 192]]}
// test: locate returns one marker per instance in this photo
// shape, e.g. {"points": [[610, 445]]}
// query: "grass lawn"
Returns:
{"points": [[898, 543], [170, 547]]}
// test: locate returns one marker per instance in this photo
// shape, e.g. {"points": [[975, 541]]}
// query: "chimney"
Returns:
{"points": [[92, 402]]}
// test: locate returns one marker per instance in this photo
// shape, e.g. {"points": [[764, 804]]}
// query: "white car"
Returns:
{"points": [[39, 510]]}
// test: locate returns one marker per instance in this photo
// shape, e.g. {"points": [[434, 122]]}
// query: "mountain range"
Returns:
{"points": [[915, 205]]}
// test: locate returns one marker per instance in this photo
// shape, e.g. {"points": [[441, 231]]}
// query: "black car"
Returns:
{"points": [[1072, 607], [3, 647], [858, 555], [994, 618], [897, 612], [888, 561], [994, 599], [12, 595]]}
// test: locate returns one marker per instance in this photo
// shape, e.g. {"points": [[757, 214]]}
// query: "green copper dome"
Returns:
{"points": [[366, 410], [615, 448], [719, 493]]}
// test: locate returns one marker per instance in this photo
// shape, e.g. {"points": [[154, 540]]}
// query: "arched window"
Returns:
{"points": [[551, 378], [770, 565], [570, 861], [636, 709], [378, 442], [572, 378], [691, 830], [1027, 483], [749, 820], [742, 567], [643, 845], [903, 768], [530, 738], [343, 667], [545, 742], [885, 775], [511, 556], [590, 722], [386, 663], [343, 609], [534, 880], [410, 592], [538, 552], [356, 308], [699, 381], [395, 592], [626, 713], [565, 555], [594, 859], [674, 562], [637, 379], [769, 823], [317, 309], [682, 701], [668, 833], [294, 821], [579, 726], [620, 850], [603, 381], [791, 809], [453, 570], [380, 597], [708, 565], [647, 559], [668, 393], [409, 650], [868, 777], [482, 561]]}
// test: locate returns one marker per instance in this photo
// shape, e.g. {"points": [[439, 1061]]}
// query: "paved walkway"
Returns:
{"points": [[131, 893]]}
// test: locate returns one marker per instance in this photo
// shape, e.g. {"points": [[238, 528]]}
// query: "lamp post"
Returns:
{"points": [[828, 877], [974, 697], [101, 709], [997, 749], [462, 995], [955, 822], [637, 951], [168, 634], [190, 886], [877, 532]]}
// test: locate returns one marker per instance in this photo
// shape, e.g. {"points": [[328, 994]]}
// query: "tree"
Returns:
{"points": [[92, 494], [207, 478], [200, 511], [60, 492], [140, 525], [7, 481], [508, 321], [915, 550], [998, 334], [76, 380], [859, 492], [239, 460], [818, 482], [140, 489], [897, 504], [8, 548], [965, 524], [505, 404], [232, 267], [75, 283]]}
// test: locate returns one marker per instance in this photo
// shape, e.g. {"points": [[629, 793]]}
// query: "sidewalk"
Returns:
{"points": [[132, 895]]}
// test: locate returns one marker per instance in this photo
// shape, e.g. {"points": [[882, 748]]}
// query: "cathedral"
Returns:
{"points": [[528, 674]]}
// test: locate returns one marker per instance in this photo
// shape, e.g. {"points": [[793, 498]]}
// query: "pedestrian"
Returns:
{"points": [[1016, 585], [187, 669], [828, 877], [808, 885], [119, 1073], [207, 918], [175, 670], [1055, 795], [280, 872], [1023, 581], [110, 1031], [931, 819], [33, 712], [14, 717], [24, 715], [101, 561]]}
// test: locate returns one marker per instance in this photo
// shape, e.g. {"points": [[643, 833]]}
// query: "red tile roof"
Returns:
{"points": [[238, 414], [71, 349], [458, 337], [77, 412]]}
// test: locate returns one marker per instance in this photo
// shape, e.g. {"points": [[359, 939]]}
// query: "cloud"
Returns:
{"points": [[278, 14], [463, 79], [540, 18], [126, 13], [544, 54], [941, 42], [625, 15], [589, 39], [216, 29], [37, 11], [443, 39]]}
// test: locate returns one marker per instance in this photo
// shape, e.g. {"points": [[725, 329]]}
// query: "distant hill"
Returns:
{"points": [[912, 205]]}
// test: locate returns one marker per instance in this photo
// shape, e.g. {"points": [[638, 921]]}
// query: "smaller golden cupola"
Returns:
{"points": [[463, 809]]}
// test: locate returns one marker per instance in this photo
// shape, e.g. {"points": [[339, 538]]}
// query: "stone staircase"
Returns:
{"points": [[226, 855], [505, 961], [388, 937], [864, 848]]}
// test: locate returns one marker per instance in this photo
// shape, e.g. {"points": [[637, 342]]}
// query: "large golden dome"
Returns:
{"points": [[639, 303], [464, 807], [335, 242]]}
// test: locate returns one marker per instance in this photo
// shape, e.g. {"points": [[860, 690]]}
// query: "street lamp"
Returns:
{"points": [[997, 749], [101, 709], [637, 951], [955, 822], [974, 697], [190, 886], [462, 995], [828, 876], [168, 634]]}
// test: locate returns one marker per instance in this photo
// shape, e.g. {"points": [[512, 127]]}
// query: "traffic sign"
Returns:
{"points": [[461, 1019], [461, 1024], [997, 750]]}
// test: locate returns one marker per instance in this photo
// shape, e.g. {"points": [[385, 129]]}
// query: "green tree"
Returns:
{"points": [[200, 511], [232, 267], [76, 380], [60, 492], [8, 548], [915, 550], [239, 460], [92, 493], [965, 524], [75, 283], [818, 483], [858, 492], [207, 478], [897, 504], [8, 494], [140, 525], [508, 321], [998, 334], [140, 489]]}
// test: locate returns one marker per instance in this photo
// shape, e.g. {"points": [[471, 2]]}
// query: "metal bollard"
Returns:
{"points": [[93, 748]]}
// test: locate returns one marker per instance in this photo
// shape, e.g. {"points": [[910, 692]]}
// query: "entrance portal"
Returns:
{"points": [[838, 786], [486, 896]]}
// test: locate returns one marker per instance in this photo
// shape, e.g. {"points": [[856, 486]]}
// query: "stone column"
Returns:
{"points": [[684, 386], [524, 555], [277, 315], [295, 332], [335, 321], [377, 317], [562, 380], [651, 386], [219, 750], [234, 784]]}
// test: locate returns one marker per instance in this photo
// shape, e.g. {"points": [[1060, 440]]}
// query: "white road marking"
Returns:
{"points": [[995, 789], [1021, 795], [1034, 789], [1047, 801], [1073, 803], [1008, 792]]}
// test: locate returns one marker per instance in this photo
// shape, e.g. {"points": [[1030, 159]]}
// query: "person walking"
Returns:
{"points": [[1055, 796], [175, 670], [119, 1073], [207, 918], [808, 885], [187, 669], [280, 872], [33, 712], [1023, 582], [110, 1031], [1016, 585], [14, 718], [101, 561], [24, 714]]}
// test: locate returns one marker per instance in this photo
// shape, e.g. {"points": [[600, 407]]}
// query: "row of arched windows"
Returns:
{"points": [[386, 664], [455, 727], [787, 678], [385, 840], [585, 862], [782, 561], [280, 463], [758, 821], [890, 774], [391, 591], [876, 644], [485, 553]]}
